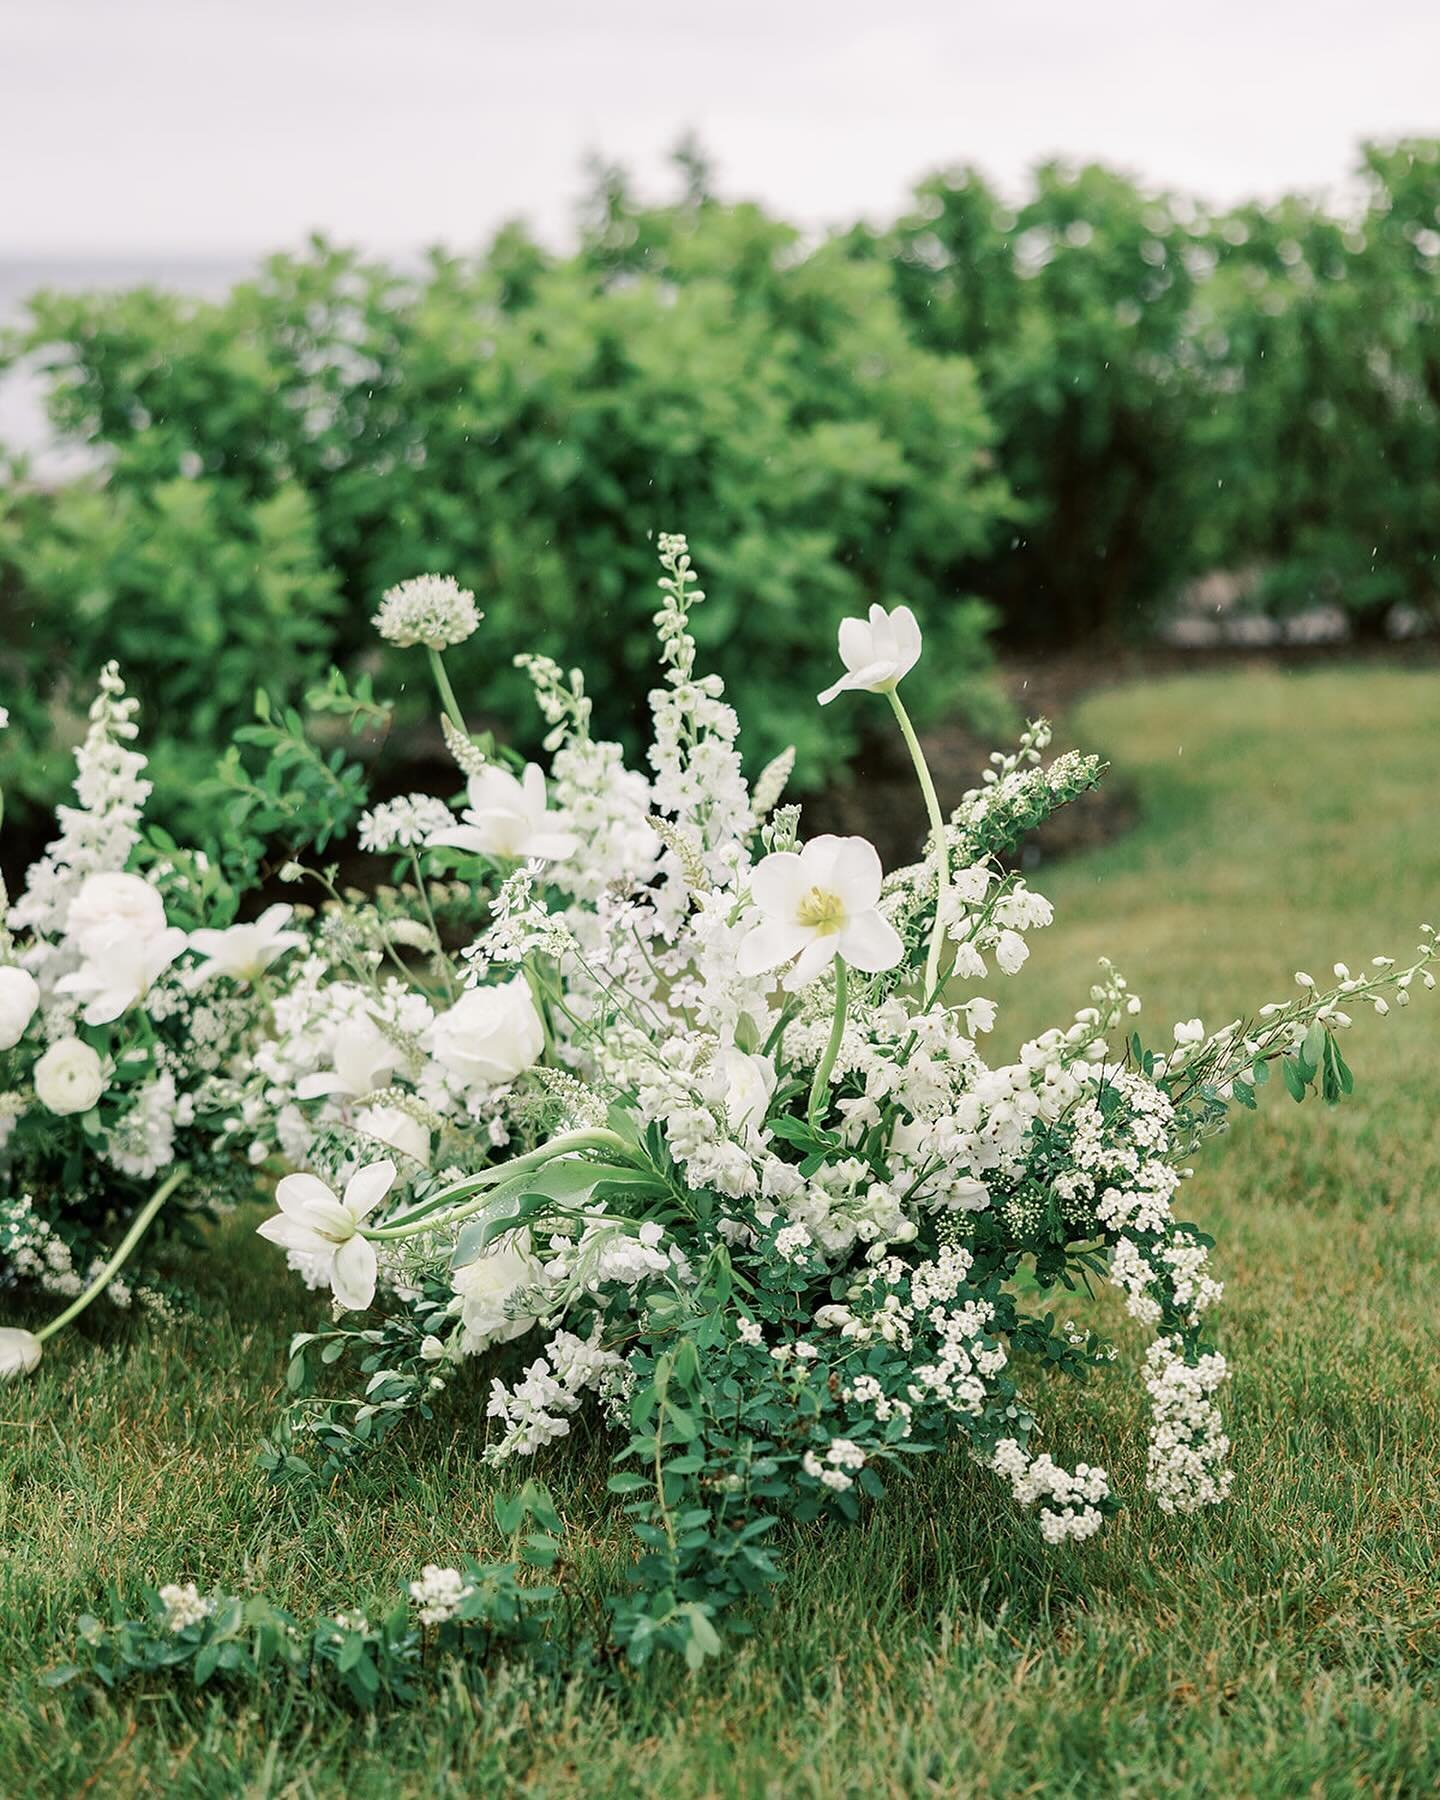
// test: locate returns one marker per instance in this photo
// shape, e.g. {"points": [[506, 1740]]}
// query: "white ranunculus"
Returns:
{"points": [[818, 905], [490, 1035], [69, 1077], [388, 1125], [486, 1286], [324, 1228], [19, 996], [507, 818], [243, 952], [113, 901], [120, 968], [20, 1351], [876, 652], [749, 1083]]}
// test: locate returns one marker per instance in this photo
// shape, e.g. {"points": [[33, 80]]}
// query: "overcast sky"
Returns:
{"points": [[228, 126]]}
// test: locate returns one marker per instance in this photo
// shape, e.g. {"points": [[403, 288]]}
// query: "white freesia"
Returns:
{"points": [[486, 1287], [112, 903], [817, 905], [20, 1351], [490, 1035], [506, 817], [120, 968], [69, 1077], [19, 996], [243, 952], [363, 1056], [324, 1227], [876, 652]]}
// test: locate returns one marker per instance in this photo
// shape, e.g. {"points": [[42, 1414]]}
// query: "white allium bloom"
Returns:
{"points": [[184, 1606], [438, 1594], [243, 952], [486, 1287], [20, 1351], [489, 1036], [876, 652], [818, 905], [111, 903], [19, 996], [403, 824], [506, 817], [69, 1077], [120, 968], [433, 610], [317, 1223]]}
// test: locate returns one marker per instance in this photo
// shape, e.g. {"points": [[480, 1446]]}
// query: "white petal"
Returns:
{"points": [[856, 874], [908, 641], [458, 837], [367, 1187], [554, 846], [871, 943], [323, 1081], [777, 882], [856, 645], [816, 957], [353, 1276], [290, 1234], [768, 944], [298, 1192]]}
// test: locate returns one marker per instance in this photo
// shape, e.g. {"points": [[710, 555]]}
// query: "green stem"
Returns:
{"points": [[470, 1193], [447, 693], [820, 1086], [139, 1226], [937, 833]]}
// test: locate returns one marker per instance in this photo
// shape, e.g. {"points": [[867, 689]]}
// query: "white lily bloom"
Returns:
{"points": [[320, 1225], [816, 906], [876, 652], [120, 968], [243, 952], [507, 818], [363, 1057], [20, 1351]]}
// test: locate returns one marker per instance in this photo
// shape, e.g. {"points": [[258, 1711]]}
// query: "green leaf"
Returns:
{"points": [[570, 1180]]}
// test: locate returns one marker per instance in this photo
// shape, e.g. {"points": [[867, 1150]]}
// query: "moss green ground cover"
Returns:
{"points": [[1287, 1645]]}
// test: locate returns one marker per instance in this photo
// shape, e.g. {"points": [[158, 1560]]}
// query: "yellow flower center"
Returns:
{"points": [[822, 912]]}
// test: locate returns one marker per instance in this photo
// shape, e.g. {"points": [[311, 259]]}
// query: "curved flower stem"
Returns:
{"points": [[820, 1086], [447, 693], [138, 1227], [469, 1194], [937, 833]]}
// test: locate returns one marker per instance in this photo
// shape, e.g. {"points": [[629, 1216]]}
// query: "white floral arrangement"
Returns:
{"points": [[711, 1143], [121, 1012]]}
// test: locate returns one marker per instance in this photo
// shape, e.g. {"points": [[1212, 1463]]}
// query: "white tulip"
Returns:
{"points": [[818, 905], [69, 1077], [486, 1287], [243, 952], [490, 1035], [120, 968], [876, 652], [110, 901], [20, 1351], [325, 1228], [507, 818], [19, 996]]}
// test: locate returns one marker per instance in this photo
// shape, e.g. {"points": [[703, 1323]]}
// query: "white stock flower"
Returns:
{"points": [[876, 652], [20, 1351], [243, 952], [507, 818], [818, 905], [433, 610], [490, 1035], [69, 1077], [486, 1286], [111, 903], [19, 996], [120, 968], [317, 1223]]}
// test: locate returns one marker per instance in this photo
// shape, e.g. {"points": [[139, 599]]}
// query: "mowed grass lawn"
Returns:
{"points": [[1287, 1645]]}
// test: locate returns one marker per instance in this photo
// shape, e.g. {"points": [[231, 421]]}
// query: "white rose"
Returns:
{"points": [[106, 901], [68, 1077], [485, 1287], [489, 1035], [388, 1125], [19, 996], [20, 1351]]}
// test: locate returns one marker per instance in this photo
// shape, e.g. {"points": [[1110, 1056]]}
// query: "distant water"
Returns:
{"points": [[23, 425]]}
